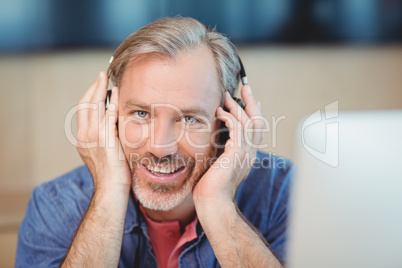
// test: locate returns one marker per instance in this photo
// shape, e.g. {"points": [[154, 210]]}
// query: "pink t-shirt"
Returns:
{"points": [[167, 240]]}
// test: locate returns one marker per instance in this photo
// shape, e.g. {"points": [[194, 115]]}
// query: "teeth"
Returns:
{"points": [[164, 170]]}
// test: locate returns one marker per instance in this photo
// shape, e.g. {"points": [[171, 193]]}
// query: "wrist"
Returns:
{"points": [[212, 198], [112, 199], [112, 193], [105, 182], [111, 187], [222, 209]]}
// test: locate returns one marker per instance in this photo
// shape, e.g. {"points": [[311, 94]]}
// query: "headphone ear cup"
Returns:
{"points": [[223, 134], [107, 100], [240, 102]]}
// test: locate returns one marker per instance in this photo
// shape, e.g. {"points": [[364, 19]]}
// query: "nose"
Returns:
{"points": [[163, 139]]}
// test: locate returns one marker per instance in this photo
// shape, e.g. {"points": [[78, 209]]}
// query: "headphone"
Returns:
{"points": [[243, 78]]}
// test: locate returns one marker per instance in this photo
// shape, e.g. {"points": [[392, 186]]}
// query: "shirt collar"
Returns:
{"points": [[133, 216]]}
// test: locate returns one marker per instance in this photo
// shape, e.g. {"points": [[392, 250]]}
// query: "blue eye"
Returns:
{"points": [[141, 114], [189, 119]]}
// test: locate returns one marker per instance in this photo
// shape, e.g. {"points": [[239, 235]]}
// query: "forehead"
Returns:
{"points": [[189, 80]]}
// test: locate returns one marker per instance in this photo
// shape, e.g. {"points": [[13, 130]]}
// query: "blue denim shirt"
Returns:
{"points": [[56, 208]]}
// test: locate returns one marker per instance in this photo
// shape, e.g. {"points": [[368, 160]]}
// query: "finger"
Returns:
{"points": [[253, 111], [235, 109], [98, 98], [234, 126], [84, 103], [83, 110], [89, 93], [250, 102], [101, 88], [84, 137]]}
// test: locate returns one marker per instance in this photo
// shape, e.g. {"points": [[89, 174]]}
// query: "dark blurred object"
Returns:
{"points": [[48, 24], [365, 21]]}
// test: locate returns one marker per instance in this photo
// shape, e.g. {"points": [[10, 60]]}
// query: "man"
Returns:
{"points": [[160, 187]]}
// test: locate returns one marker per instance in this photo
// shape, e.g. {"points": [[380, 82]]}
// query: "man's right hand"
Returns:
{"points": [[98, 143], [98, 240]]}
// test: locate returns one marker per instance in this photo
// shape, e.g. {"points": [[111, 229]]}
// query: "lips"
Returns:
{"points": [[163, 175]]}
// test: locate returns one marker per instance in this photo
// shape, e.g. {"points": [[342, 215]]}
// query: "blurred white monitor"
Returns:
{"points": [[346, 203]]}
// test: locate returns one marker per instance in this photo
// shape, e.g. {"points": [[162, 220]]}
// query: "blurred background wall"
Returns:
{"points": [[299, 57]]}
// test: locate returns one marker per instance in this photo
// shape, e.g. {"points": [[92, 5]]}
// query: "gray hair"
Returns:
{"points": [[170, 37]]}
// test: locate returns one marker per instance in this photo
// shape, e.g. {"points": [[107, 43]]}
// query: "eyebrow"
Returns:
{"points": [[190, 110], [130, 105]]}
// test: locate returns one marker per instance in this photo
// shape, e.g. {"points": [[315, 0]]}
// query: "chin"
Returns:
{"points": [[163, 201], [163, 194], [163, 185]]}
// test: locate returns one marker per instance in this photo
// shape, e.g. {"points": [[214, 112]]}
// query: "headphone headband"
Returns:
{"points": [[243, 76]]}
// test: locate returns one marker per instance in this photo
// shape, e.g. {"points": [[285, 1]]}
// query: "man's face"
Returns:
{"points": [[168, 132]]}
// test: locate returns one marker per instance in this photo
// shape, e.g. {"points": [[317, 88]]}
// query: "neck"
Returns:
{"points": [[184, 212]]}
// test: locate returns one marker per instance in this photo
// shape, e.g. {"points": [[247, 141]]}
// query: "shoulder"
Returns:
{"points": [[271, 164], [265, 191], [68, 194], [78, 181], [52, 215], [269, 172]]}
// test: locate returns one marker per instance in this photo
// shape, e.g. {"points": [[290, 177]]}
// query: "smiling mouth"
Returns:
{"points": [[163, 171]]}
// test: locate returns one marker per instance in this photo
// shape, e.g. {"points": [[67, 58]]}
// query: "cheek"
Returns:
{"points": [[201, 142], [198, 140], [202, 139], [199, 147], [133, 135]]}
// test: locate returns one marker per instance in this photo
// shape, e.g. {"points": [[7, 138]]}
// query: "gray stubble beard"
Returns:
{"points": [[176, 197]]}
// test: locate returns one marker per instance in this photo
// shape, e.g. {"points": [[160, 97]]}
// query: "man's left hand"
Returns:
{"points": [[220, 182]]}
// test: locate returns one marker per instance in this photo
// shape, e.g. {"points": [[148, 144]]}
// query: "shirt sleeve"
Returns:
{"points": [[278, 231], [45, 233], [263, 198]]}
